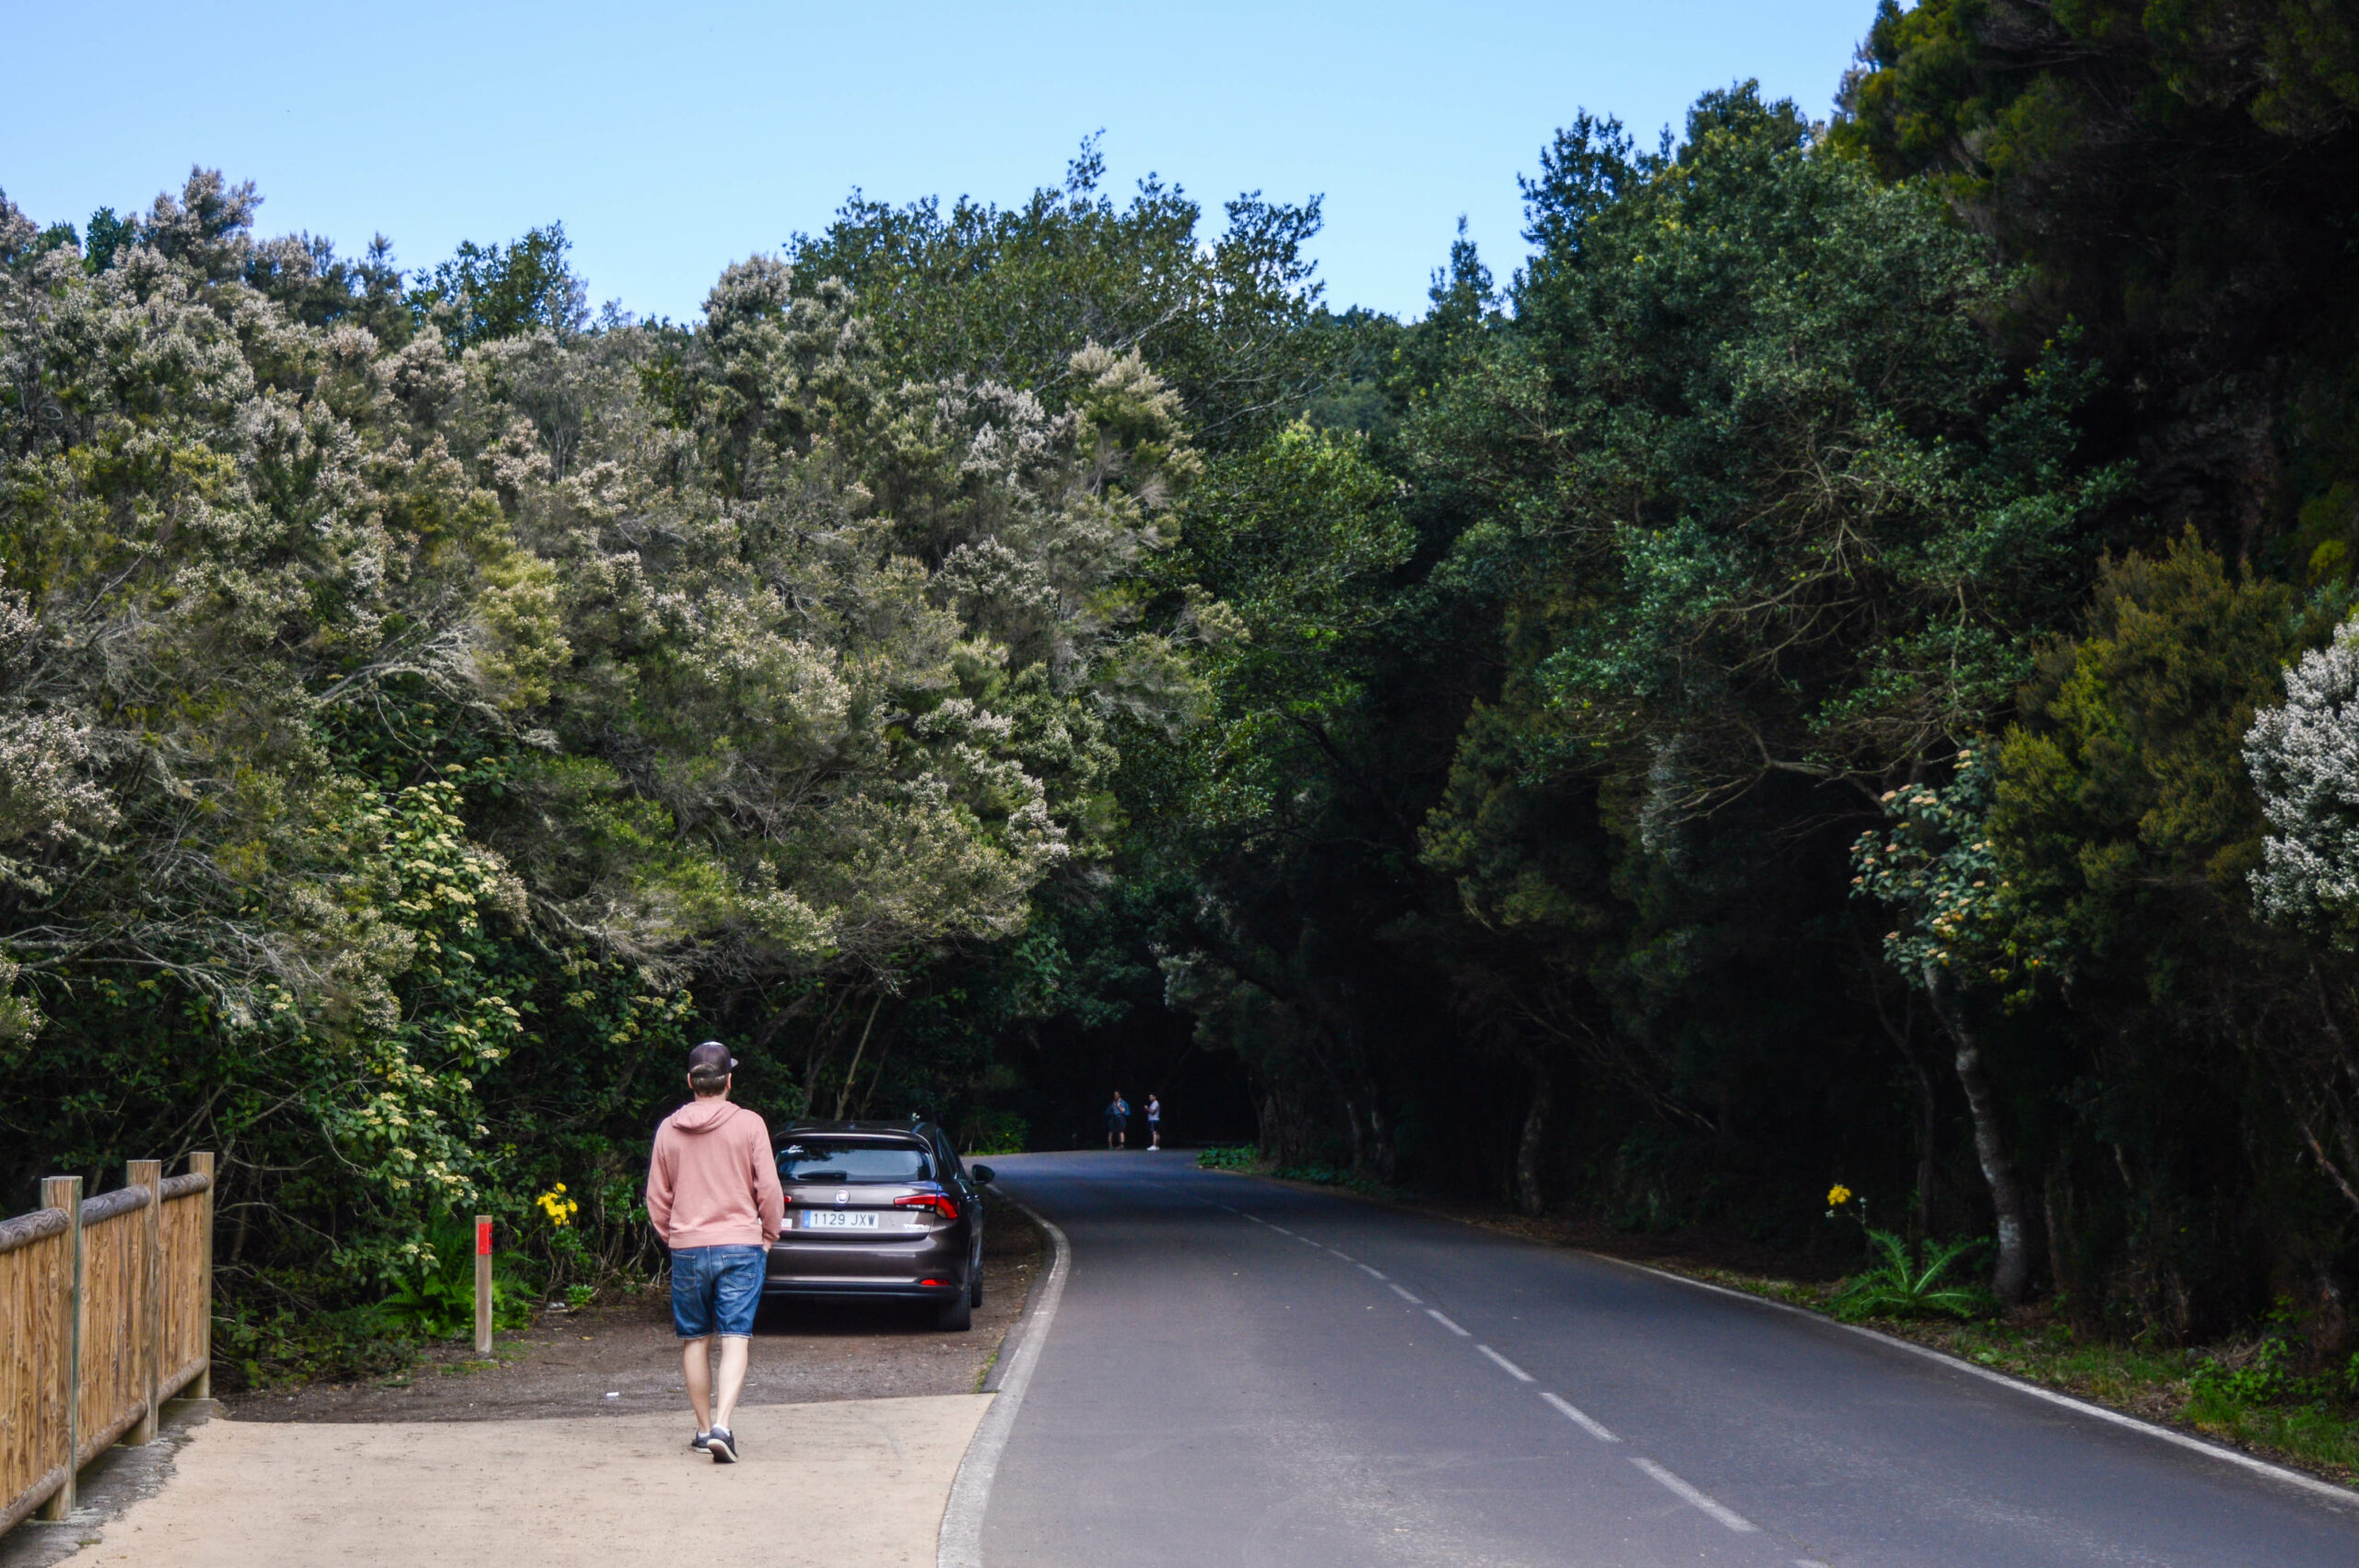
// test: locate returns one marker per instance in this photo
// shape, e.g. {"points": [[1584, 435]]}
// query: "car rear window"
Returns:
{"points": [[851, 1160]]}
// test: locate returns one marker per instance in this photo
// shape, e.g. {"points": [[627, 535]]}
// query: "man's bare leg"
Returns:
{"points": [[733, 1377], [699, 1376]]}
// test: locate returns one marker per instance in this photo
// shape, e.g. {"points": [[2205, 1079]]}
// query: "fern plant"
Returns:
{"points": [[1901, 1286], [440, 1303]]}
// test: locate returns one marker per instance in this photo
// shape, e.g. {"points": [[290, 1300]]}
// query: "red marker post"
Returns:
{"points": [[483, 1284]]}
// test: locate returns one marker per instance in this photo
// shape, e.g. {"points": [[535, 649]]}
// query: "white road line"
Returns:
{"points": [[960, 1543], [1404, 1296], [1687, 1493], [1370, 1272], [1506, 1366], [1307, 1241], [1280, 1229], [1255, 1218], [1593, 1428], [1447, 1324], [1344, 1255]]}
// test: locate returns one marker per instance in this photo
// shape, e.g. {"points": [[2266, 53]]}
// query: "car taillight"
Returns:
{"points": [[933, 1200]]}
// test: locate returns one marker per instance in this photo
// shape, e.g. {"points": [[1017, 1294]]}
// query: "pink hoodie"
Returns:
{"points": [[713, 1181]]}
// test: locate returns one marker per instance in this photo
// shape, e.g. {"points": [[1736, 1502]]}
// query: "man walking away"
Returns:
{"points": [[712, 1195], [1154, 1123], [1118, 1122]]}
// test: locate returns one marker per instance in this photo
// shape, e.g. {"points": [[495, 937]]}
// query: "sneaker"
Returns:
{"points": [[722, 1444], [700, 1441]]}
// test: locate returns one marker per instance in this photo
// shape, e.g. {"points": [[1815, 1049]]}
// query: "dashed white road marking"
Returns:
{"points": [[1370, 1272], [1255, 1218], [1344, 1255], [1447, 1324], [1307, 1241], [1280, 1229], [1404, 1296], [1688, 1494], [1594, 1429], [1506, 1366]]}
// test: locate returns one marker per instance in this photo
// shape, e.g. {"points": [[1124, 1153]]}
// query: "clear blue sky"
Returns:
{"points": [[674, 139]]}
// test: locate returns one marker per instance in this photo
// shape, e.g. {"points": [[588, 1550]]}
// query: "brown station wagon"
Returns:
{"points": [[879, 1208]]}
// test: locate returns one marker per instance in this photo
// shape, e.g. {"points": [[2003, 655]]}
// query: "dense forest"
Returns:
{"points": [[1840, 668]]}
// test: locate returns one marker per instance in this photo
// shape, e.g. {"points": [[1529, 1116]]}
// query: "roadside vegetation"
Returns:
{"points": [[1839, 665]]}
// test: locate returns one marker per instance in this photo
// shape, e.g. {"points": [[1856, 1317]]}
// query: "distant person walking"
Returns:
{"points": [[1154, 1124], [1118, 1122], [712, 1196]]}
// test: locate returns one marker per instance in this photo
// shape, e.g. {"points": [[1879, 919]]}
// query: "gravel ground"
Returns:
{"points": [[569, 1363]]}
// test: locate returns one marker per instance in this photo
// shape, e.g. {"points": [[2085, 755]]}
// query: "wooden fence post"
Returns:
{"points": [[202, 1162], [149, 1174], [483, 1284], [65, 1193]]}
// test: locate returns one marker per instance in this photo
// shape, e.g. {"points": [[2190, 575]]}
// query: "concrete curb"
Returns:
{"points": [[1022, 1328], [960, 1542]]}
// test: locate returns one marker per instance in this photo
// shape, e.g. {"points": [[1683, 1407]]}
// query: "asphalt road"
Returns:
{"points": [[1245, 1373]]}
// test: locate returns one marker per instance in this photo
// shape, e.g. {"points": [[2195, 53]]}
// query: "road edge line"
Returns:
{"points": [[2327, 1489], [959, 1542]]}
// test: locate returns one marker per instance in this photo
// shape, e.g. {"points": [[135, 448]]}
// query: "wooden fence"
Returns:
{"points": [[106, 1311]]}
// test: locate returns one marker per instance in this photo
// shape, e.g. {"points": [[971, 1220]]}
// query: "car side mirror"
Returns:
{"points": [[982, 1175]]}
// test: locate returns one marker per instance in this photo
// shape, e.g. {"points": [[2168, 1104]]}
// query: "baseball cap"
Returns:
{"points": [[712, 1054]]}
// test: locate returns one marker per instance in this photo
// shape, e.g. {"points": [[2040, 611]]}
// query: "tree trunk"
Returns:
{"points": [[1388, 1160], [844, 1092], [1528, 1197], [1928, 1102], [2011, 1277], [1929, 1099]]}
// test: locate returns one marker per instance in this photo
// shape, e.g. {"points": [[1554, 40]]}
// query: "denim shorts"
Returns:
{"points": [[716, 1288]]}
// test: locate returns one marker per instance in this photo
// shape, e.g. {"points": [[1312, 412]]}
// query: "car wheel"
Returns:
{"points": [[956, 1315]]}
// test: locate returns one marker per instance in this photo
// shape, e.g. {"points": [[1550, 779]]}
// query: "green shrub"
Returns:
{"points": [[2263, 1380], [1229, 1157], [995, 1132], [289, 1344]]}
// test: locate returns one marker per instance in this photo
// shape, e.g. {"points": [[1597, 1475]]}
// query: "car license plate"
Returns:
{"points": [[837, 1220]]}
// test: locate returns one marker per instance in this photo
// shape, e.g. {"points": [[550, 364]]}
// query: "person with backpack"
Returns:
{"points": [[1118, 1122], [713, 1198]]}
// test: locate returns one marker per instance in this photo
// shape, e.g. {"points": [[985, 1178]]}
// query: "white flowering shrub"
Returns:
{"points": [[2303, 757], [377, 704]]}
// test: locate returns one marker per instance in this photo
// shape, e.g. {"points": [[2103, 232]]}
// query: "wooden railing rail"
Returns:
{"points": [[106, 1311]]}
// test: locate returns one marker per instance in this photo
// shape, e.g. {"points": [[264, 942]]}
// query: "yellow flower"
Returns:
{"points": [[1838, 1196]]}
